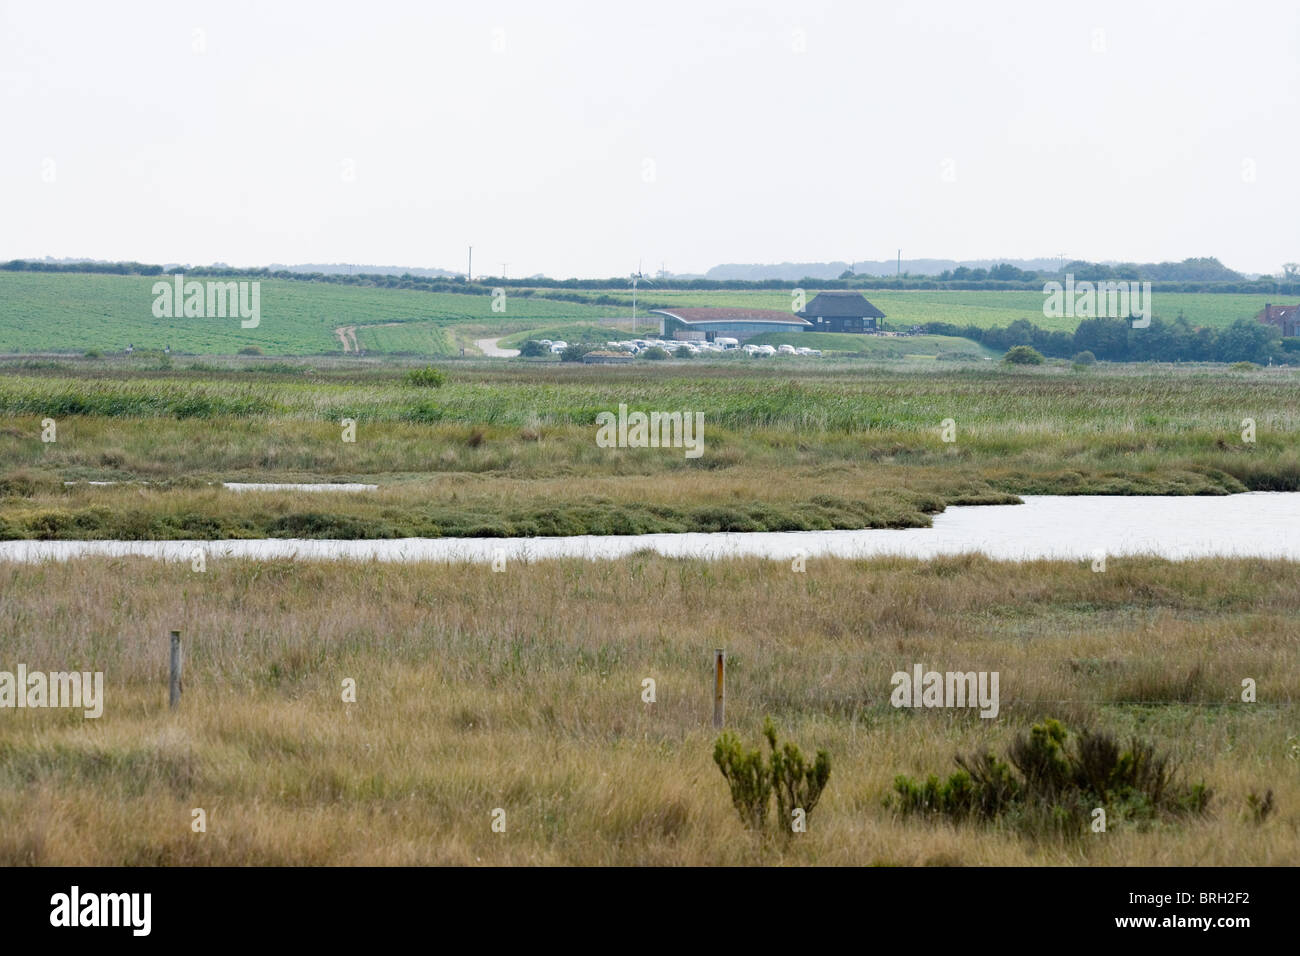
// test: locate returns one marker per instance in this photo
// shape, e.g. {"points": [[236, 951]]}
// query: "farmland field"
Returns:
{"points": [[76, 312], [882, 347], [968, 307]]}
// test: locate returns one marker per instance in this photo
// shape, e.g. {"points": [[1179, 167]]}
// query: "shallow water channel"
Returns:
{"points": [[1259, 524]]}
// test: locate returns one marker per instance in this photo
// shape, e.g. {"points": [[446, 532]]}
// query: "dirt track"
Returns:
{"points": [[348, 336], [489, 348]]}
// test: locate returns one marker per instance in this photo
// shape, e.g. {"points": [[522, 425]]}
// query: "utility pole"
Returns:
{"points": [[900, 262], [503, 269], [469, 271]]}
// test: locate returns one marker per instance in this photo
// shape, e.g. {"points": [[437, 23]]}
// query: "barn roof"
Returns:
{"points": [[842, 304], [1271, 313], [692, 316]]}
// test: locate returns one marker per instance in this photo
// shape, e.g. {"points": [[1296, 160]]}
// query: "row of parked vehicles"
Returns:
{"points": [[762, 351], [720, 344]]}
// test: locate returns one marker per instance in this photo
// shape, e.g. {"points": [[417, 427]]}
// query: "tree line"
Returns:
{"points": [[1115, 340]]}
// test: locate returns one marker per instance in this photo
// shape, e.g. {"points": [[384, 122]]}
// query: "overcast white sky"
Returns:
{"points": [[577, 139]]}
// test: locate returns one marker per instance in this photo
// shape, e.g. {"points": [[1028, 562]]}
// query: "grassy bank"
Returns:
{"points": [[503, 451], [523, 691]]}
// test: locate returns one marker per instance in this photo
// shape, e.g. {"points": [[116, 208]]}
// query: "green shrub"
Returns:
{"points": [[427, 377], [1243, 366], [1023, 355], [574, 353], [1085, 358], [654, 353], [250, 350], [797, 782], [93, 353], [682, 352], [1058, 781], [533, 349], [747, 777]]}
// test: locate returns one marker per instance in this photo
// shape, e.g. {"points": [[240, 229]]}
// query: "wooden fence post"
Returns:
{"points": [[175, 682], [719, 685]]}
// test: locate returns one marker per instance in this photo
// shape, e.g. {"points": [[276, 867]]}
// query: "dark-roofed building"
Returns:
{"points": [[1285, 317], [739, 324], [841, 312]]}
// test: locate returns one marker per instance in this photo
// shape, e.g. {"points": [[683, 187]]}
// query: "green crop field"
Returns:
{"points": [[43, 312], [965, 307], [75, 312], [882, 347]]}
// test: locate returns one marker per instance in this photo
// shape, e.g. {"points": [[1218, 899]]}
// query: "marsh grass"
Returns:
{"points": [[784, 450], [522, 690]]}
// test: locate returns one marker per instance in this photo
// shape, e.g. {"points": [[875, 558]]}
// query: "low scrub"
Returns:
{"points": [[797, 782], [1054, 781], [427, 377]]}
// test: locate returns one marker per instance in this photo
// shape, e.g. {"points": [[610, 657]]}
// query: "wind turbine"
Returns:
{"points": [[637, 276]]}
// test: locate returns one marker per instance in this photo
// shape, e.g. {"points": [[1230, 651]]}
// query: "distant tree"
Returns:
{"points": [[533, 349], [1023, 355], [654, 353], [1246, 341]]}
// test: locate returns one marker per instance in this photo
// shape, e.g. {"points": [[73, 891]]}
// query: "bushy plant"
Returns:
{"points": [[1085, 358], [1058, 780], [654, 353], [797, 782], [747, 777], [1023, 355], [533, 349], [427, 377]]}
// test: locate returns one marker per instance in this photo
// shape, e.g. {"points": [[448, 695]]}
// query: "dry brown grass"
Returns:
{"points": [[522, 690]]}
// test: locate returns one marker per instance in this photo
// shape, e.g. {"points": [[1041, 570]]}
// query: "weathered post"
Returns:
{"points": [[175, 683], [719, 685]]}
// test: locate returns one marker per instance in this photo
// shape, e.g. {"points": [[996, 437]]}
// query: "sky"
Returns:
{"points": [[585, 139]]}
